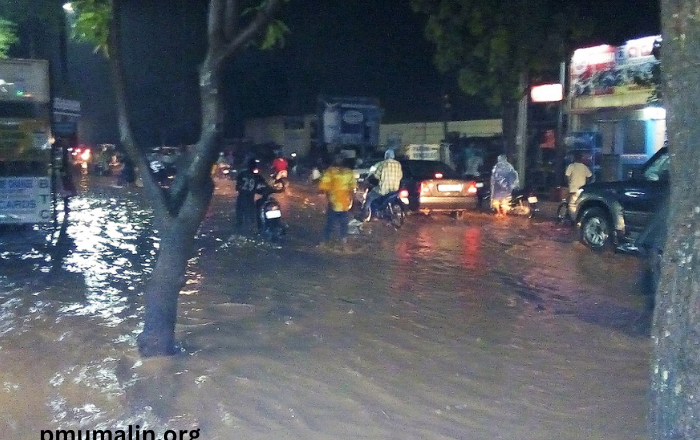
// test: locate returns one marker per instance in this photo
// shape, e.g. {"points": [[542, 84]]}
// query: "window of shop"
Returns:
{"points": [[635, 137]]}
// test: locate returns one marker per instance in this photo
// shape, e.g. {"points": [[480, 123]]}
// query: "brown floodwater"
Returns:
{"points": [[475, 329]]}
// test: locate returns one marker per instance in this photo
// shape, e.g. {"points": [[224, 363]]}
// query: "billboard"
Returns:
{"points": [[24, 80], [24, 140], [349, 120], [25, 200], [609, 70]]}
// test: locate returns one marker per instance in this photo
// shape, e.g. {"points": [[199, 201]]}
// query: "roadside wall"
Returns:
{"points": [[434, 132], [294, 134]]}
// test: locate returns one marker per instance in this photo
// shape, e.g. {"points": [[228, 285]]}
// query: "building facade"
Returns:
{"points": [[612, 108], [295, 134]]}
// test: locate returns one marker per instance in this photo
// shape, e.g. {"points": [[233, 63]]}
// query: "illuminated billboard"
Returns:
{"points": [[608, 70], [24, 80]]}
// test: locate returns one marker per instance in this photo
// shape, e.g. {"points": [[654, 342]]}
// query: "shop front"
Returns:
{"points": [[612, 104]]}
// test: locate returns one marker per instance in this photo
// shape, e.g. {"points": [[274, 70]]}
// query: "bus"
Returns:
{"points": [[27, 154]]}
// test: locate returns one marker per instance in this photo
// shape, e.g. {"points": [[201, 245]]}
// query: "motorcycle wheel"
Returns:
{"points": [[273, 230], [397, 214], [365, 214], [533, 210]]}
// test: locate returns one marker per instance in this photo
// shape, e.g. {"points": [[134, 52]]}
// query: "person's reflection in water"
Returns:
{"points": [[61, 249]]}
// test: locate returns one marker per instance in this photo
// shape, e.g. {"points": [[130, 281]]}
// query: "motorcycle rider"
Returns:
{"points": [[279, 166], [389, 175], [248, 183], [577, 173], [504, 179]]}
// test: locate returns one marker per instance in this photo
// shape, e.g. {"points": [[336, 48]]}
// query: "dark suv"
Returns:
{"points": [[615, 213]]}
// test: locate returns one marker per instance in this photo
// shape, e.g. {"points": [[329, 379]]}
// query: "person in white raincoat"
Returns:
{"points": [[504, 179]]}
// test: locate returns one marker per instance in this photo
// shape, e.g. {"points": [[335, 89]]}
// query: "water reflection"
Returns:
{"points": [[411, 338], [69, 300]]}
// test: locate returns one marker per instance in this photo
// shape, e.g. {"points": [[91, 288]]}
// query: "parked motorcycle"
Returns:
{"points": [[523, 203], [391, 207], [520, 202], [270, 222]]}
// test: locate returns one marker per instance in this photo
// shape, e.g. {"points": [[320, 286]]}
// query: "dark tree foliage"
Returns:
{"points": [[36, 23], [493, 44]]}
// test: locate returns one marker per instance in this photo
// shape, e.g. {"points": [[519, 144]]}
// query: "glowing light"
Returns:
{"points": [[547, 93], [650, 113]]}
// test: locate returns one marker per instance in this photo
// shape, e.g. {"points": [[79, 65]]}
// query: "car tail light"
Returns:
{"points": [[425, 188], [438, 175], [471, 188], [403, 196]]}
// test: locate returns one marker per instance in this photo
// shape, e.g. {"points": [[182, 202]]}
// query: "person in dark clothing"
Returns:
{"points": [[248, 183], [128, 173], [68, 188]]}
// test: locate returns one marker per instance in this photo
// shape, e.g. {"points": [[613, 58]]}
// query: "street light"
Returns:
{"points": [[64, 36]]}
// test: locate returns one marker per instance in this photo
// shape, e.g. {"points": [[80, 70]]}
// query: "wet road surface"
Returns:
{"points": [[446, 329]]}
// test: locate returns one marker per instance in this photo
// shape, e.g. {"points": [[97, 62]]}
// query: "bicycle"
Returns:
{"points": [[563, 214]]}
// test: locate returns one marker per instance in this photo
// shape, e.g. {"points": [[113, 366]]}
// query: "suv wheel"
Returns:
{"points": [[595, 229]]}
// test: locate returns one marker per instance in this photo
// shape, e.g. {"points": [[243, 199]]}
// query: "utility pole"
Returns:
{"points": [[446, 114], [521, 133], [560, 151]]}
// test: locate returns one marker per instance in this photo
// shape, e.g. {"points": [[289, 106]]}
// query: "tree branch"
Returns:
{"points": [[231, 19], [126, 137], [215, 24], [253, 28]]}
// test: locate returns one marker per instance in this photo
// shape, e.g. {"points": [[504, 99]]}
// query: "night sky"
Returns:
{"points": [[336, 47]]}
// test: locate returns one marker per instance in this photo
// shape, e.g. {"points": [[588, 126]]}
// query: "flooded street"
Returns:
{"points": [[474, 329]]}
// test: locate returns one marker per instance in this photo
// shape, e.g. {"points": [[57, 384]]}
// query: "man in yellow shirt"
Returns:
{"points": [[339, 185], [577, 173]]}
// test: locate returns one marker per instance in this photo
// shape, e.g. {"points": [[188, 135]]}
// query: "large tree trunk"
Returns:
{"points": [[178, 233], [163, 289], [177, 236], [675, 373], [179, 211]]}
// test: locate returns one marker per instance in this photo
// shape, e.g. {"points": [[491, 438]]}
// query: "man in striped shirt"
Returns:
{"points": [[389, 175]]}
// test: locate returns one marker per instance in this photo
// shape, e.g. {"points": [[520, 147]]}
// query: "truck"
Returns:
{"points": [[27, 168], [348, 123]]}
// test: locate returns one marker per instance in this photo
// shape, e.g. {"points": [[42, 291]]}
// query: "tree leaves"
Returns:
{"points": [[491, 42], [8, 36], [90, 22], [274, 35]]}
